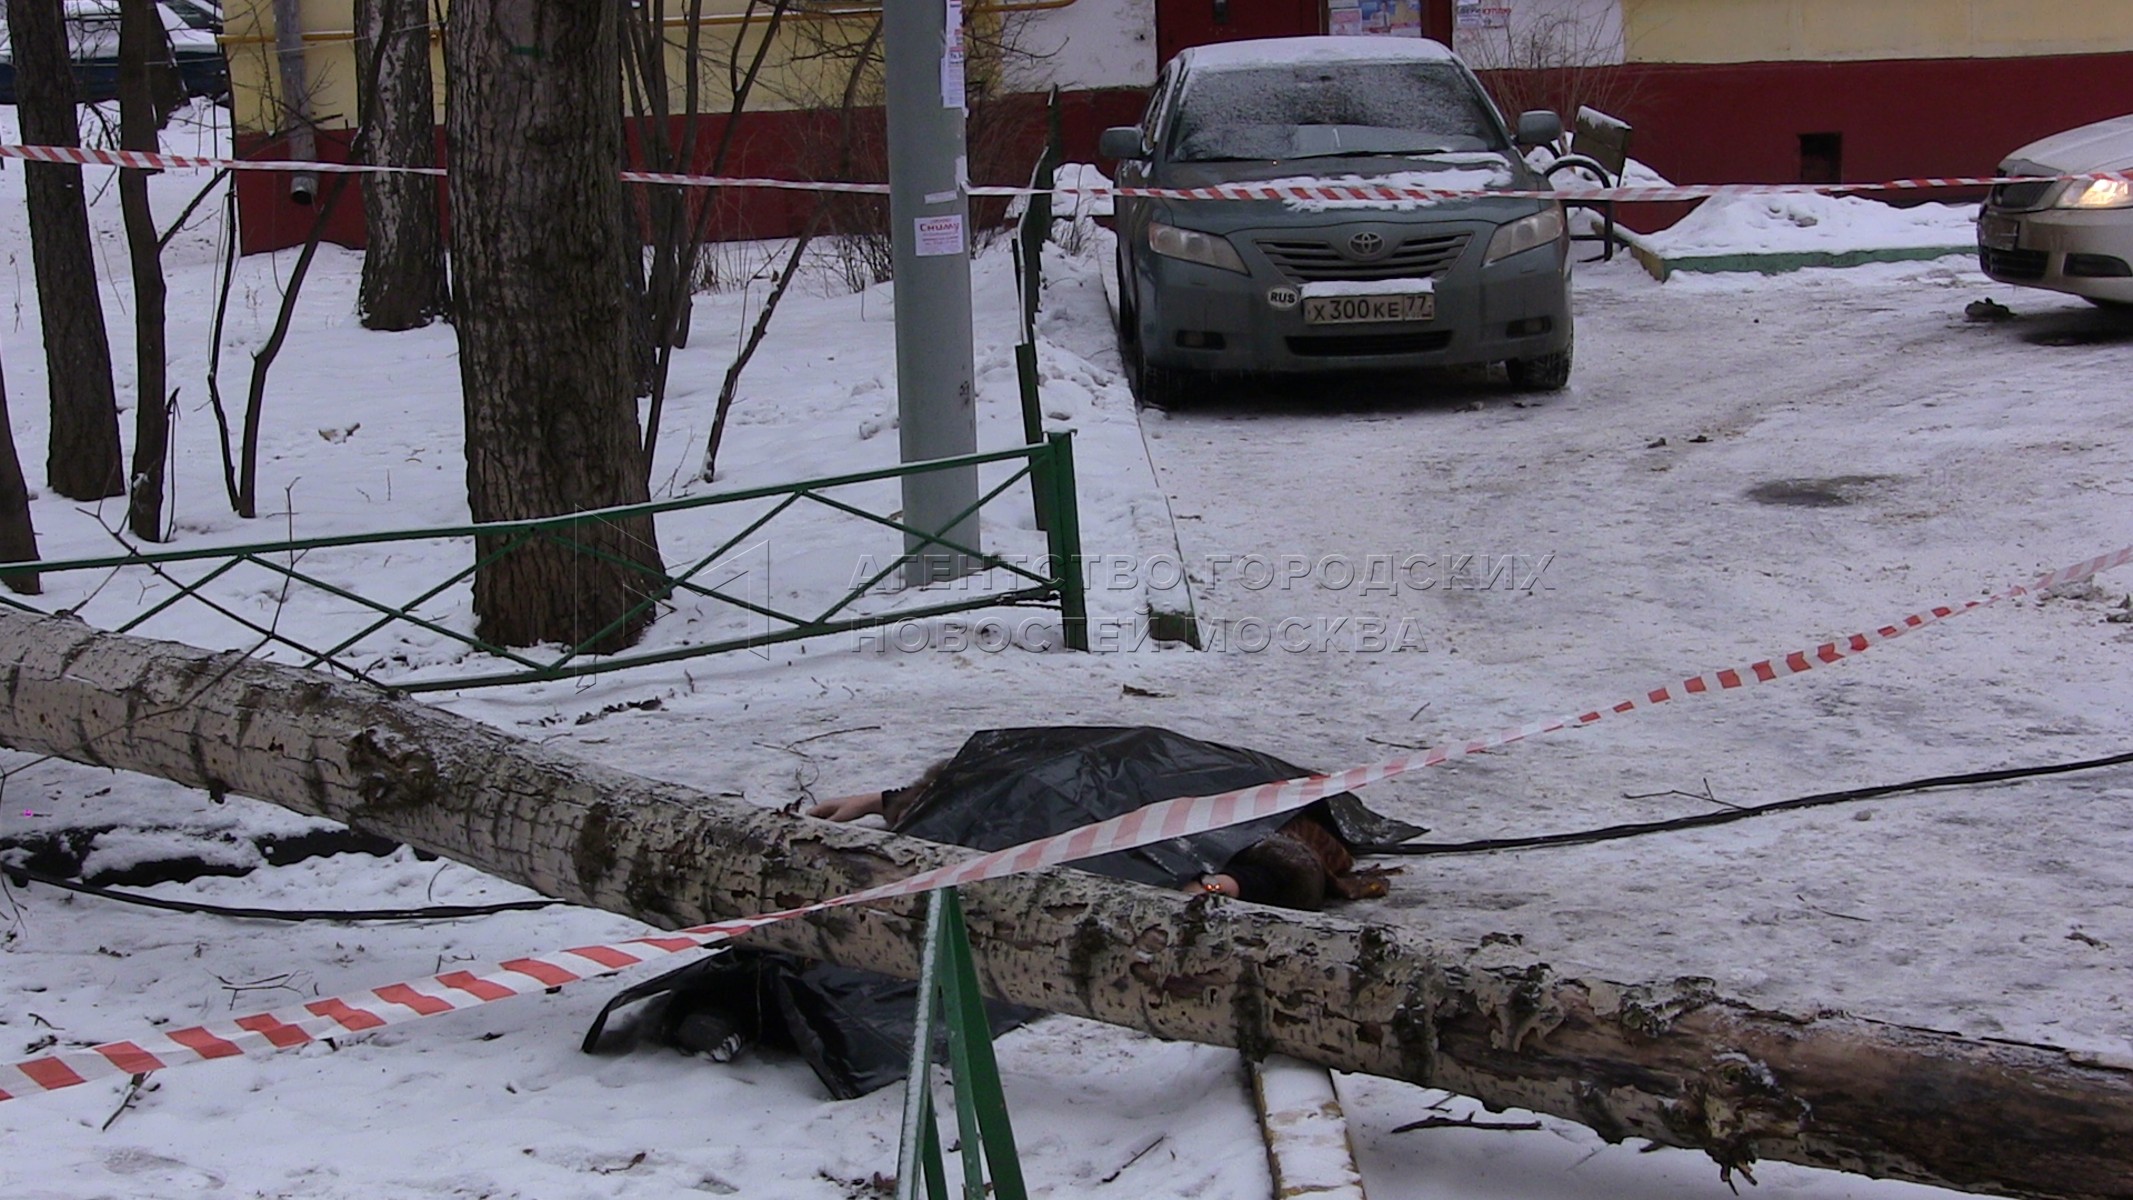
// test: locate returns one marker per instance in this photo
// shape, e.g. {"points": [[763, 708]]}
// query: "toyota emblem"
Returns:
{"points": [[1365, 245]]}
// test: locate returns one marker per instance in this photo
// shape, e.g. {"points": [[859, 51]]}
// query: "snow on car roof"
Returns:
{"points": [[1261, 52]]}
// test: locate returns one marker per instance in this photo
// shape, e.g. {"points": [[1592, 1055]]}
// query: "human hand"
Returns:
{"points": [[847, 808]]}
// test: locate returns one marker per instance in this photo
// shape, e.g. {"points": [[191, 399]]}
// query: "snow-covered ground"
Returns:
{"points": [[1742, 466]]}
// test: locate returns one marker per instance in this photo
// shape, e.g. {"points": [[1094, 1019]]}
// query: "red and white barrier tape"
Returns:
{"points": [[144, 160], [1320, 192], [456, 990]]}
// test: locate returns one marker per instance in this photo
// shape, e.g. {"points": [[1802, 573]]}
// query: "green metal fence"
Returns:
{"points": [[330, 623]]}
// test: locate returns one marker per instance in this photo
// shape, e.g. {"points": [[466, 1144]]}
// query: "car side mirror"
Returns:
{"points": [[1122, 141], [1538, 128]]}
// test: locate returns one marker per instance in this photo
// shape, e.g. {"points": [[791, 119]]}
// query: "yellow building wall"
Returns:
{"points": [[806, 68], [1709, 31], [329, 64]]}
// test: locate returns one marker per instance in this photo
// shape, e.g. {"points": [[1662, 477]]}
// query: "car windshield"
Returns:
{"points": [[1306, 110]]}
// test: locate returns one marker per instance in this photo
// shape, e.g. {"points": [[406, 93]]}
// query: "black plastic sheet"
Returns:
{"points": [[1009, 786], [1004, 787]]}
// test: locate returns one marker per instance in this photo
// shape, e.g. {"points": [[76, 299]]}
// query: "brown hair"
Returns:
{"points": [[896, 802], [1301, 865]]}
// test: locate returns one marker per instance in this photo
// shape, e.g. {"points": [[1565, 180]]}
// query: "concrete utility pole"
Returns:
{"points": [[929, 218]]}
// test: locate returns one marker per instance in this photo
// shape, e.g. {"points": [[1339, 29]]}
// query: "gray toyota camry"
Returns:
{"points": [[1305, 284]]}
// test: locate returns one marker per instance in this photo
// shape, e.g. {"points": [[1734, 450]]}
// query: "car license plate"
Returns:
{"points": [[1998, 233], [1354, 310]]}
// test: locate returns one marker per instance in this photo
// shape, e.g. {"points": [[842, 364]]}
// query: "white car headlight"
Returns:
{"points": [[2097, 193], [1525, 233], [1191, 245]]}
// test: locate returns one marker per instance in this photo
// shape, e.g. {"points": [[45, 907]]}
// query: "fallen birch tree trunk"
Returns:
{"points": [[1670, 1061]]}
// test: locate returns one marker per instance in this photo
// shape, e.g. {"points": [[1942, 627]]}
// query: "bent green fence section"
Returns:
{"points": [[331, 622], [1032, 230]]}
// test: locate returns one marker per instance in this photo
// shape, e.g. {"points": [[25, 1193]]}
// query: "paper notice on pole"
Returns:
{"points": [[952, 56], [939, 235]]}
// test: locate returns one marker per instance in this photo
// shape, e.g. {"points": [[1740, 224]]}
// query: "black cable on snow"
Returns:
{"points": [[1702, 820], [23, 877]]}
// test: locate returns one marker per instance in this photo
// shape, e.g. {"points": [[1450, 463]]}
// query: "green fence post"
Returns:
{"points": [[948, 990], [980, 1101], [1031, 233], [918, 1157], [1040, 477], [1065, 538]]}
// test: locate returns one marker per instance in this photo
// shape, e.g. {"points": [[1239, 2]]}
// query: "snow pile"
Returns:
{"points": [[1779, 222], [1069, 202], [1789, 222]]}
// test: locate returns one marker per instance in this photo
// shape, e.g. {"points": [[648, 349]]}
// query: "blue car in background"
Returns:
{"points": [[190, 26]]}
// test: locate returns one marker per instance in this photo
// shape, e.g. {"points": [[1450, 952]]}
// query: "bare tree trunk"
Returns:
{"points": [[18, 537], [677, 236], [730, 386], [539, 254], [1672, 1061], [83, 460], [142, 45], [403, 261], [245, 493]]}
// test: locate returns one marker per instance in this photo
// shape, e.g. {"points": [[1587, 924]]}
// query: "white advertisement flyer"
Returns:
{"points": [[952, 57], [939, 235]]}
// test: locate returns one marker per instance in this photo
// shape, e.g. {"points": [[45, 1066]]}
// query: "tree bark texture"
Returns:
{"points": [[18, 537], [403, 259], [539, 256], [1671, 1061], [83, 460], [142, 44]]}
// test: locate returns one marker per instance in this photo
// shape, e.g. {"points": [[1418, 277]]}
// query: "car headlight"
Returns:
{"points": [[1191, 245], [2097, 193], [1525, 233]]}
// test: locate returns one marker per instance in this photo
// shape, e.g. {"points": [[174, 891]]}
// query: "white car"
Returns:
{"points": [[2071, 236]]}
